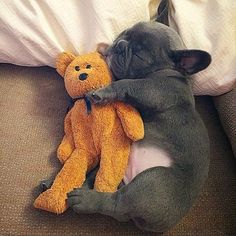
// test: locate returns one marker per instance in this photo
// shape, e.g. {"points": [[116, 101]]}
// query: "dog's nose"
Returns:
{"points": [[83, 76]]}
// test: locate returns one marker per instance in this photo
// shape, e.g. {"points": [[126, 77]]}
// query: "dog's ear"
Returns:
{"points": [[190, 61], [62, 62]]}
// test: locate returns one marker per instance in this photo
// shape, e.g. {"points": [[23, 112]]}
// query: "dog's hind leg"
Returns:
{"points": [[150, 204]]}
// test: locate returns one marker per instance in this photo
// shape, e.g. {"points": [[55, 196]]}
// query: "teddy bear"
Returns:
{"points": [[94, 134]]}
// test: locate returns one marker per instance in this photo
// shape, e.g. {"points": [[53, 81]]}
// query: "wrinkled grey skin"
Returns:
{"points": [[151, 67]]}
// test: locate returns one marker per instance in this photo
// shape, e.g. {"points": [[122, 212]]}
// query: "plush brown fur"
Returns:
{"points": [[104, 135]]}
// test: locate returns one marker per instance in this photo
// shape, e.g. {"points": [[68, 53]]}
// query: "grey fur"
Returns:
{"points": [[151, 66]]}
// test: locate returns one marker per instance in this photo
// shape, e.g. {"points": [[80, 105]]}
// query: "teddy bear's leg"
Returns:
{"points": [[67, 145], [71, 176], [114, 160]]}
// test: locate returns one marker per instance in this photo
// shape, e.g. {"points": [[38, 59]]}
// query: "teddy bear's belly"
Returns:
{"points": [[105, 122], [99, 123]]}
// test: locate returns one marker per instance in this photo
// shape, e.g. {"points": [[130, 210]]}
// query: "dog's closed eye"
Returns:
{"points": [[139, 57]]}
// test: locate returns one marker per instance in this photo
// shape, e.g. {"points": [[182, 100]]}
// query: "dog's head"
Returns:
{"points": [[152, 46]]}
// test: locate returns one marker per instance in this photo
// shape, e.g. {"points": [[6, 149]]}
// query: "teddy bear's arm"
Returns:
{"points": [[131, 121], [67, 145]]}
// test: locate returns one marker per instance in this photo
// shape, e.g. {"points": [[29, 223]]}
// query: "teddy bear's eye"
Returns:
{"points": [[88, 66], [77, 68]]}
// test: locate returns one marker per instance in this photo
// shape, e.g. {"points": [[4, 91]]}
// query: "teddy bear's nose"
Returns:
{"points": [[83, 76]]}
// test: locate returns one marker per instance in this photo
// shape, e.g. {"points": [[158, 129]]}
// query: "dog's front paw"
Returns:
{"points": [[83, 201], [102, 96]]}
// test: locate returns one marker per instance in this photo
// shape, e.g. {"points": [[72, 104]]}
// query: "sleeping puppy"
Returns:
{"points": [[168, 168]]}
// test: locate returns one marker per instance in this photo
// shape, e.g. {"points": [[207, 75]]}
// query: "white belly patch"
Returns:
{"points": [[142, 158]]}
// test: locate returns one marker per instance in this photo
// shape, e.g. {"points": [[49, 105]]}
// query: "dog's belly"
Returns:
{"points": [[142, 158]]}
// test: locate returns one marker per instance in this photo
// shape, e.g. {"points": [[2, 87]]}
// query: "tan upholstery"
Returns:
{"points": [[33, 103], [226, 107]]}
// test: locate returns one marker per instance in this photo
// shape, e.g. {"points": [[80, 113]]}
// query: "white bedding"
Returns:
{"points": [[209, 25], [33, 32]]}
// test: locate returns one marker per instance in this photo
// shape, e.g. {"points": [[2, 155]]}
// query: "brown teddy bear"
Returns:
{"points": [[103, 134]]}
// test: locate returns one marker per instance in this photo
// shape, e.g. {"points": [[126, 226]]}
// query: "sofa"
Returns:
{"points": [[33, 105]]}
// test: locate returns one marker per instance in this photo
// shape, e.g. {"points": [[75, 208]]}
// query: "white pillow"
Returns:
{"points": [[34, 32], [211, 26]]}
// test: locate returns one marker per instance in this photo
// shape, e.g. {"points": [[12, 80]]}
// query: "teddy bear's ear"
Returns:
{"points": [[62, 62]]}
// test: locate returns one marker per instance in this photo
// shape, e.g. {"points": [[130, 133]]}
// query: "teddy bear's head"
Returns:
{"points": [[83, 73]]}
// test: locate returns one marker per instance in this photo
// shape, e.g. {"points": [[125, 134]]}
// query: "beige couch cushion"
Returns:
{"points": [[33, 104], [226, 107]]}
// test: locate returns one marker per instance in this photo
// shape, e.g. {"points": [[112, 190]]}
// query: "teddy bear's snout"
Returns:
{"points": [[83, 76]]}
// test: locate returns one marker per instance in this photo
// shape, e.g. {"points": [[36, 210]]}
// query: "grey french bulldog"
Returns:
{"points": [[168, 168]]}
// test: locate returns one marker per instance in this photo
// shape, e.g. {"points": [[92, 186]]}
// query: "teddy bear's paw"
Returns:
{"points": [[64, 151], [51, 201], [83, 201], [102, 184]]}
